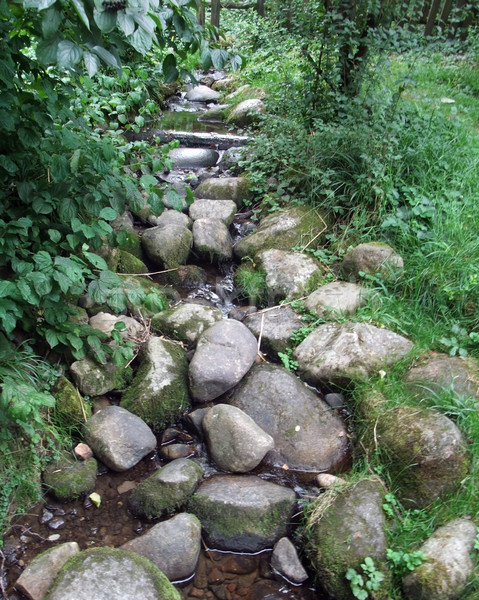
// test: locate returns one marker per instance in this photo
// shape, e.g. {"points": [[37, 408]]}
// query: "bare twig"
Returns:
{"points": [[317, 235], [260, 333], [147, 274], [280, 305]]}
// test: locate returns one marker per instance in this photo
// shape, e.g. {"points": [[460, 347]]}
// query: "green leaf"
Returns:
{"points": [[108, 214], [82, 12], [107, 57], [38, 4], [125, 21], [51, 21], [41, 282], [190, 197], [92, 63], [174, 199], [51, 337], [117, 300], [170, 70], [98, 291], [219, 58], [28, 136], [8, 165], [47, 51], [236, 62], [68, 55], [141, 41], [97, 261], [106, 20], [67, 209], [41, 207], [108, 149], [43, 260], [148, 181]]}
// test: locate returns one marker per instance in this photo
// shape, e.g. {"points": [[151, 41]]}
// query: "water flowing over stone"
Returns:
{"points": [[308, 435], [292, 227], [286, 561], [212, 240], [186, 322], [427, 450], [242, 513], [193, 158], [40, 574], [118, 438], [346, 526], [448, 565], [275, 327], [223, 210], [335, 299], [166, 490], [224, 354], [288, 274], [374, 258], [173, 546], [111, 574], [338, 353], [235, 441], [159, 392]]}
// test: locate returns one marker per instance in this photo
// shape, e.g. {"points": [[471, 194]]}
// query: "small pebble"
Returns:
{"points": [[56, 523], [83, 451], [46, 516], [54, 537]]}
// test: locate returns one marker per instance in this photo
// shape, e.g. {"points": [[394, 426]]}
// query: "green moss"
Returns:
{"points": [[70, 409], [128, 263], [162, 406], [132, 245], [67, 479], [163, 586]]}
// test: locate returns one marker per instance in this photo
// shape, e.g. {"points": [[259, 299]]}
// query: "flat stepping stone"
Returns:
{"points": [[223, 210]]}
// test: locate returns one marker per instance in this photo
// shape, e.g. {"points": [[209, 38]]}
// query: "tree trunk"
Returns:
{"points": [[431, 19], [215, 13], [200, 13], [260, 7]]}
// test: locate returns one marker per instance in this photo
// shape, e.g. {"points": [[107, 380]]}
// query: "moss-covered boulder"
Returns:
{"points": [[128, 263], [93, 379], [168, 246], [167, 490], [186, 322], [159, 392], [131, 242], [225, 188], [68, 479], [427, 452], [292, 227], [345, 526], [111, 574], [373, 258], [70, 408], [247, 112]]}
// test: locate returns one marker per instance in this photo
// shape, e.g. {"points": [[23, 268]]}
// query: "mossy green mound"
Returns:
{"points": [[68, 479]]}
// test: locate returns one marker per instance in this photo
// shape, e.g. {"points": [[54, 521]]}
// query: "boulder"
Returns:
{"points": [[70, 408], [172, 218], [288, 228], [428, 453], [173, 546], [346, 525], [202, 93], [235, 441], [168, 246], [225, 188], [212, 240], [285, 560], [275, 327], [188, 277], [38, 576], [118, 438], [308, 436], [111, 574], [288, 274], [439, 373], [166, 490], [246, 112], [93, 379], [448, 565], [193, 158], [186, 322], [223, 210], [338, 353], [373, 258], [336, 299], [159, 391], [106, 322], [242, 513], [231, 158], [68, 479], [224, 354]]}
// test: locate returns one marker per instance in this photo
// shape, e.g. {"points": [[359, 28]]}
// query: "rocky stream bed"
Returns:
{"points": [[201, 459]]}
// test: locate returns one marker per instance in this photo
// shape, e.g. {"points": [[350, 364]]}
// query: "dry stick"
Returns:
{"points": [[147, 274], [317, 235], [81, 405], [280, 305]]}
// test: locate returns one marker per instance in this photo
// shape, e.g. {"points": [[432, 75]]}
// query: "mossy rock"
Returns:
{"points": [[132, 245], [111, 574], [70, 408], [128, 263], [68, 479], [159, 392]]}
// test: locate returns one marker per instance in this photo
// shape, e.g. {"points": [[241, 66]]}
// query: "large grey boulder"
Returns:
{"points": [[288, 274], [223, 210], [428, 453], [224, 354], [166, 490], [212, 240], [448, 565], [339, 353], [193, 158], [285, 560], [308, 435], [171, 218], [225, 188], [439, 373], [275, 326], [246, 112], [235, 441], [168, 246], [289, 228], [35, 581], [202, 93], [68, 479], [93, 379], [242, 513], [186, 322], [118, 438], [336, 299], [173, 546], [106, 322], [373, 258], [346, 526], [159, 392], [111, 574]]}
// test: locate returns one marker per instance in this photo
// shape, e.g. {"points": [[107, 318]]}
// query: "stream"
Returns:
{"points": [[219, 575]]}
